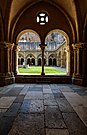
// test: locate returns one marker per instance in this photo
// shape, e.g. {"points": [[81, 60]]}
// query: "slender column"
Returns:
{"points": [[75, 60], [2, 60], [78, 62], [84, 60], [68, 60], [11, 60], [36, 61], [7, 60], [61, 60], [16, 49], [42, 49]]}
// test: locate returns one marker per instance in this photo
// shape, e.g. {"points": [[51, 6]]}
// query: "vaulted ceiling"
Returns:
{"points": [[74, 10]]}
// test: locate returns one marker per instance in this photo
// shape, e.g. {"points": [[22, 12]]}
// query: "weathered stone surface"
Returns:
{"points": [[25, 108], [64, 105], [48, 96], [32, 124], [57, 132], [13, 110], [36, 89], [5, 102], [53, 117], [58, 95], [36, 106], [50, 102], [74, 124], [34, 95], [19, 99], [5, 125]]}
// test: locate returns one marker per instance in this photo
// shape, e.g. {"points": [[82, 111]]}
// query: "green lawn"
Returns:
{"points": [[36, 70]]}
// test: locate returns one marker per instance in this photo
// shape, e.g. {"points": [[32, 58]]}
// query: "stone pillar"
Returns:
{"points": [[15, 57], [6, 76], [36, 62], [8, 58], [47, 60], [42, 49], [75, 60], [2, 59], [68, 56], [84, 60]]}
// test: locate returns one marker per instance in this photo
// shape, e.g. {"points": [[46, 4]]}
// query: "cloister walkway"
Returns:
{"points": [[43, 109]]}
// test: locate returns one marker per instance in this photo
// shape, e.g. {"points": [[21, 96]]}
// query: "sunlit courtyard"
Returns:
{"points": [[36, 70]]}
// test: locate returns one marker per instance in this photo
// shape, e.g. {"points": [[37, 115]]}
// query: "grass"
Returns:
{"points": [[36, 70]]}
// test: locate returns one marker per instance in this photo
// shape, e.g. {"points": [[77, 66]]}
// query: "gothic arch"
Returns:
{"points": [[85, 29], [1, 27], [25, 31]]}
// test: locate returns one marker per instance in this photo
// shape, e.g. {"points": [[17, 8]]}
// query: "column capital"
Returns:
{"points": [[43, 46], [6, 45], [79, 45], [16, 47]]}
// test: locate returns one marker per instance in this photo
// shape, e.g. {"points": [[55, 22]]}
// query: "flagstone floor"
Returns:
{"points": [[43, 109]]}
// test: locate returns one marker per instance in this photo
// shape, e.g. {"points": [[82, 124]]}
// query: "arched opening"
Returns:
{"points": [[22, 61], [54, 62], [39, 62], [57, 42], [29, 42], [33, 61], [50, 62], [28, 61]]}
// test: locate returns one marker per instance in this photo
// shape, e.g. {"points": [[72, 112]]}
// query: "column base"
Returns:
{"points": [[5, 80], [42, 74], [79, 81]]}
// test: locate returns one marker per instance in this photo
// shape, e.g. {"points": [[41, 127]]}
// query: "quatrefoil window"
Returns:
{"points": [[42, 18]]}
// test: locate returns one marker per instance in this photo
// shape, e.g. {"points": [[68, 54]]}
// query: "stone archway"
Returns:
{"points": [[58, 48]]}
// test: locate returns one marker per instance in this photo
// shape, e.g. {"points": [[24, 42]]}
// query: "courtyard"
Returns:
{"points": [[36, 70]]}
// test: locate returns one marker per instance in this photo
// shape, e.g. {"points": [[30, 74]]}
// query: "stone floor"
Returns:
{"points": [[43, 109]]}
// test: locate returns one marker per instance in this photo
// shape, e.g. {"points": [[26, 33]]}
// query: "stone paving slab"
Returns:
{"points": [[40, 89], [6, 124], [19, 99], [64, 105], [13, 93], [57, 132], [66, 89], [5, 102], [53, 117], [50, 102], [36, 106], [74, 124], [34, 95], [25, 108], [48, 96], [47, 90], [82, 113], [58, 95], [32, 124], [24, 90], [13, 110], [73, 98]]}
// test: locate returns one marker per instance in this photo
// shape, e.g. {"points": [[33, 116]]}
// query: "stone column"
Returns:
{"points": [[42, 49], [2, 58], [8, 58], [78, 48], [84, 60], [75, 59], [68, 56], [36, 61], [15, 57], [47, 63]]}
